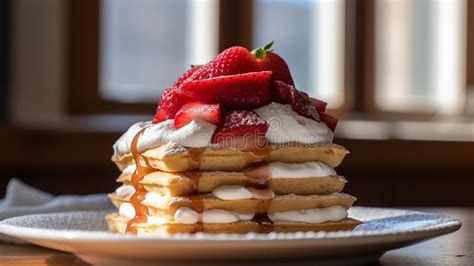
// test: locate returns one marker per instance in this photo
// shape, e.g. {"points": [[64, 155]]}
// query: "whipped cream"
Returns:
{"points": [[317, 215], [289, 170], [126, 210], [196, 134], [300, 170], [125, 191], [285, 126], [129, 169], [186, 215], [241, 193], [155, 199]]}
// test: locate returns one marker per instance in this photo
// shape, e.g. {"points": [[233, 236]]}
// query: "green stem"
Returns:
{"points": [[262, 51]]}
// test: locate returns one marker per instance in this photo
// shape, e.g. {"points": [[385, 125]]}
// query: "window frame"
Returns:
{"points": [[235, 28]]}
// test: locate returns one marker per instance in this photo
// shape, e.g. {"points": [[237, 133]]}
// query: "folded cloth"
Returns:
{"points": [[21, 199]]}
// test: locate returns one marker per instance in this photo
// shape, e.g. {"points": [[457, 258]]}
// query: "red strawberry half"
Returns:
{"points": [[268, 60], [248, 90], [240, 123], [319, 105], [210, 113], [186, 75], [232, 61], [330, 121], [171, 102]]}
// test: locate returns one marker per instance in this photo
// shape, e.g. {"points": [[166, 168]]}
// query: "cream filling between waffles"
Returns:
{"points": [[261, 173], [186, 215]]}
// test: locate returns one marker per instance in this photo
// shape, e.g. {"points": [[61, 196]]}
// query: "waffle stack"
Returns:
{"points": [[193, 183], [234, 147]]}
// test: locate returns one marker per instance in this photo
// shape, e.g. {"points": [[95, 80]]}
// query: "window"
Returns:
{"points": [[363, 57], [420, 55], [310, 36], [139, 56]]}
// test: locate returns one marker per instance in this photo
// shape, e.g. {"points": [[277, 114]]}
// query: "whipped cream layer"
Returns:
{"points": [[186, 215], [129, 169], [317, 215], [126, 210], [299, 170], [196, 134], [290, 170], [285, 126], [125, 191], [241, 193]]}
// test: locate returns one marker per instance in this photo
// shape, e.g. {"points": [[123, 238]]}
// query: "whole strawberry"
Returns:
{"points": [[234, 60], [268, 60]]}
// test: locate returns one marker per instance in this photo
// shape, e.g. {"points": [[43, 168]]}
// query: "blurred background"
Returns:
{"points": [[399, 73]]}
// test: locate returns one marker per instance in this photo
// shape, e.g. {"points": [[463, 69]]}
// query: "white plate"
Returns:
{"points": [[85, 234]]}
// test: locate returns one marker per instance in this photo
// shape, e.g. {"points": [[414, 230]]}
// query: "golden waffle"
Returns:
{"points": [[168, 205], [170, 158], [118, 223], [179, 184]]}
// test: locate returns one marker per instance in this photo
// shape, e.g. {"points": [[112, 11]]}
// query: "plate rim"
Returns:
{"points": [[27, 233]]}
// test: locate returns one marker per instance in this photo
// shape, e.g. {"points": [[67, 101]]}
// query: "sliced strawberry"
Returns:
{"points": [[171, 102], [208, 112], [248, 90], [240, 123], [281, 92], [269, 60], [231, 61], [186, 75], [330, 121], [300, 102], [319, 105]]}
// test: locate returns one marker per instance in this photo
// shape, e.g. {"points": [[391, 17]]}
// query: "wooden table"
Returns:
{"points": [[453, 249]]}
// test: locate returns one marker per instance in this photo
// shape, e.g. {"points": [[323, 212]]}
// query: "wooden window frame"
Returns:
{"points": [[84, 53], [235, 20]]}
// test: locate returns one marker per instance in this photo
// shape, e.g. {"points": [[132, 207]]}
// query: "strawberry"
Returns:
{"points": [[319, 105], [210, 113], [186, 75], [171, 102], [231, 61], [268, 60], [281, 92], [330, 121], [302, 104], [240, 123], [249, 90]]}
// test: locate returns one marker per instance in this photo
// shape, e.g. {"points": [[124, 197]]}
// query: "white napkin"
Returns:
{"points": [[21, 199]]}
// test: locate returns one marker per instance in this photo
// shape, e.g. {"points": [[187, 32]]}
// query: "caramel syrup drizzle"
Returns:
{"points": [[141, 211]]}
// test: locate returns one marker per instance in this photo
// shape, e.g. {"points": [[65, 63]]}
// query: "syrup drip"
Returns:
{"points": [[196, 155], [194, 177], [261, 217], [265, 224], [141, 211]]}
